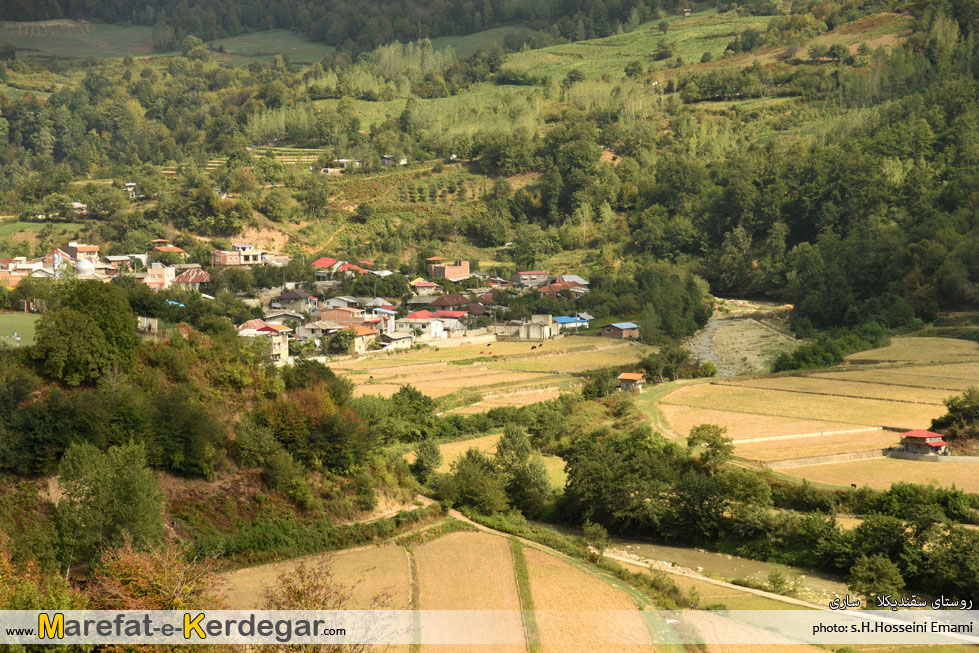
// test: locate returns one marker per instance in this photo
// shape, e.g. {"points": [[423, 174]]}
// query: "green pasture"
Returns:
{"points": [[76, 39], [8, 229], [465, 46], [22, 323], [264, 46]]}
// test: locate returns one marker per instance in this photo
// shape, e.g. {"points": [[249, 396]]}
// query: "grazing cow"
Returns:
{"points": [[853, 485]]}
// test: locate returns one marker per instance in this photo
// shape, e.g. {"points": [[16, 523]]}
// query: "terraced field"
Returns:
{"points": [[829, 413], [477, 377]]}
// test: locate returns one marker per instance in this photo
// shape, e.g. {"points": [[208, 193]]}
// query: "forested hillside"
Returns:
{"points": [[840, 176]]}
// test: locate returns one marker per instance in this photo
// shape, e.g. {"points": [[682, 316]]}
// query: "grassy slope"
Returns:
{"points": [[73, 39]]}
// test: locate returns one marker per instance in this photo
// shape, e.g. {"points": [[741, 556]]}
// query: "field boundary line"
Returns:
{"points": [[753, 412], [827, 459], [823, 394], [720, 583], [414, 601], [896, 385], [522, 577], [796, 436]]}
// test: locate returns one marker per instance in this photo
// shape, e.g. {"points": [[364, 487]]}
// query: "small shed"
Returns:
{"points": [[924, 442], [631, 381], [621, 330]]}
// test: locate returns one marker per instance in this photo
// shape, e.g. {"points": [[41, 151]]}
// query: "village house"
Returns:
{"points": [[570, 278], [438, 268], [170, 249], [317, 330], [345, 316], [131, 189], [631, 381], [390, 160], [342, 301], [924, 442], [568, 323], [192, 279], [363, 337], [530, 278], [289, 318], [79, 252], [225, 257], [555, 289], [249, 254], [277, 335], [296, 300], [451, 300], [424, 288], [397, 340], [621, 330], [158, 276], [338, 166]]}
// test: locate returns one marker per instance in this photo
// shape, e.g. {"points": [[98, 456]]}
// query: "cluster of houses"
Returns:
{"points": [[163, 267], [428, 315]]}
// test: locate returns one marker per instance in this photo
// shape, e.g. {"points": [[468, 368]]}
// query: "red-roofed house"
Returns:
{"points": [[632, 381], [350, 268], [420, 315], [455, 315], [170, 249], [554, 290], [276, 333], [452, 299], [363, 336], [924, 442], [325, 262], [192, 279]]}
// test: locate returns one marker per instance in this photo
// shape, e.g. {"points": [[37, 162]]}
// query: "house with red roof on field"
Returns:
{"points": [[631, 381], [924, 442]]}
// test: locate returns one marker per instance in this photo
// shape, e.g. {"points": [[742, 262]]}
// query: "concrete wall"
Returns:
{"points": [[823, 460], [932, 458]]}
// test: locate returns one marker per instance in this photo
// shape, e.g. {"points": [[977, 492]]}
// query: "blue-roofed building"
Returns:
{"points": [[621, 330], [565, 322]]}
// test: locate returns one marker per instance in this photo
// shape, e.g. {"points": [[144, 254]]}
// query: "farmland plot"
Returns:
{"points": [[881, 473], [367, 573], [565, 596], [741, 425], [839, 387], [823, 445], [470, 571], [920, 350], [859, 411], [903, 377]]}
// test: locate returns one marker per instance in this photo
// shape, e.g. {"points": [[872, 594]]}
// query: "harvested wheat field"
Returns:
{"points": [[742, 426], [920, 350], [522, 398], [453, 450], [820, 445], [470, 571], [842, 388], [367, 573], [956, 371], [511, 373], [868, 412], [900, 377], [881, 473], [561, 591], [711, 594]]}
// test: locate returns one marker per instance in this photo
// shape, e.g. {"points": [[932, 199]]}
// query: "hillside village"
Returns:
{"points": [[317, 317]]}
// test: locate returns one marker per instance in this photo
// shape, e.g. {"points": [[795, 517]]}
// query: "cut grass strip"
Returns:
{"points": [[531, 631]]}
